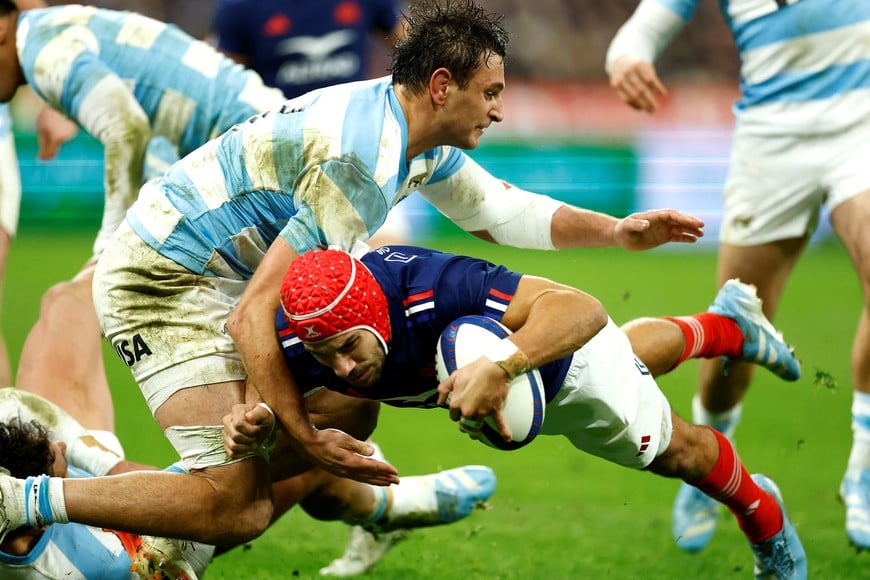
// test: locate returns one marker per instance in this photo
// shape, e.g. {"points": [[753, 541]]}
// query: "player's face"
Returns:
{"points": [[59, 467], [356, 357], [473, 109]]}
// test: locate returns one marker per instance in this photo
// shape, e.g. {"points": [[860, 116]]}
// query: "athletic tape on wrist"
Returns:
{"points": [[509, 358]]}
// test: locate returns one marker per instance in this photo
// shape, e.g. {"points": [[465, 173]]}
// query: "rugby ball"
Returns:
{"points": [[463, 342]]}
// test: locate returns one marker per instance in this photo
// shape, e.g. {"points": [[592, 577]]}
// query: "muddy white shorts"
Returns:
{"points": [[777, 185], [609, 405], [165, 322]]}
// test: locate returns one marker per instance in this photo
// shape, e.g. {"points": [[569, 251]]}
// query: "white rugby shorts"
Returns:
{"points": [[777, 184], [165, 322], [609, 405]]}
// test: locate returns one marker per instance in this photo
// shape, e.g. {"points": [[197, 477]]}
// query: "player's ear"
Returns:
{"points": [[438, 85]]}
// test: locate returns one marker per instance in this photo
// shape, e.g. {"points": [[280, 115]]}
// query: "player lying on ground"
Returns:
{"points": [[39, 439], [369, 328]]}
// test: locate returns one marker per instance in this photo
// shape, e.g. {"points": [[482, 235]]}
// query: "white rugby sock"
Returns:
{"points": [[44, 499], [724, 422], [414, 496], [859, 458]]}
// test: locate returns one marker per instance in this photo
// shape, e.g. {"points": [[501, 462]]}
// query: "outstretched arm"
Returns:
{"points": [[498, 212]]}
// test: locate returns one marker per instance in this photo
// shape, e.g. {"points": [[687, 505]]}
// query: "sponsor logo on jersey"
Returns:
{"points": [[322, 58]]}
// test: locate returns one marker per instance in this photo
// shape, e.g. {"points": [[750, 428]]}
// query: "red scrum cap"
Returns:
{"points": [[328, 292]]}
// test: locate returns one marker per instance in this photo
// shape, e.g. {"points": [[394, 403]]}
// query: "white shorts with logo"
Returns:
{"points": [[609, 405], [10, 178], [777, 185], [165, 322]]}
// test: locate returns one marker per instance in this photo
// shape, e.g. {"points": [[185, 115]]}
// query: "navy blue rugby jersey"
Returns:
{"points": [[426, 291]]}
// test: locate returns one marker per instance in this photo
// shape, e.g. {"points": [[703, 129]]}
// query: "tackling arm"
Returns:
{"points": [[499, 212], [252, 327]]}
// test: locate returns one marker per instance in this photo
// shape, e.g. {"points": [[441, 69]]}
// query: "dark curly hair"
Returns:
{"points": [[7, 7], [25, 448], [457, 35]]}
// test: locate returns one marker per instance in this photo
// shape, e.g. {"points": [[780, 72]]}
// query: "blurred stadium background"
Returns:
{"points": [[557, 514], [565, 133]]}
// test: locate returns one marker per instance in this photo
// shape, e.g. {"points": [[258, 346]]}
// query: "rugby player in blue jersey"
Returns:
{"points": [[368, 328], [801, 142], [187, 290]]}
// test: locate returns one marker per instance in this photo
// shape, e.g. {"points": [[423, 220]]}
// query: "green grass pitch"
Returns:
{"points": [[558, 513]]}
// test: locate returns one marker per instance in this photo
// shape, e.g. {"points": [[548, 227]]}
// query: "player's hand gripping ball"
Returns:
{"points": [[464, 341]]}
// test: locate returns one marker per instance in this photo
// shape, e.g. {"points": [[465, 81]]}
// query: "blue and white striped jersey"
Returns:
{"points": [[805, 64], [426, 290], [5, 121], [73, 551], [126, 78], [78, 552], [323, 170]]}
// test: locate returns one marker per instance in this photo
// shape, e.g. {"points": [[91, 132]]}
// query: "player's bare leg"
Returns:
{"points": [[849, 221], [204, 506], [64, 350]]}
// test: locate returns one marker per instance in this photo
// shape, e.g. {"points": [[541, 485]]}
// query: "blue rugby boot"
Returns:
{"points": [[694, 518], [439, 498], [762, 344], [855, 493], [782, 556]]}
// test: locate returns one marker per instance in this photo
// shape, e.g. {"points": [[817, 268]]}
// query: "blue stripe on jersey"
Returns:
{"points": [[78, 543], [451, 164], [399, 115], [354, 133], [204, 233], [808, 86], [5, 120], [685, 9], [804, 18]]}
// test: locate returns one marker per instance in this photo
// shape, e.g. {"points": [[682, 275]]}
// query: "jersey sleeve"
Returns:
{"points": [[473, 286], [475, 200], [67, 72], [650, 29]]}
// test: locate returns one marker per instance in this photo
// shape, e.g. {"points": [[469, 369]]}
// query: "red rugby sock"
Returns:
{"points": [[757, 512], [709, 335]]}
